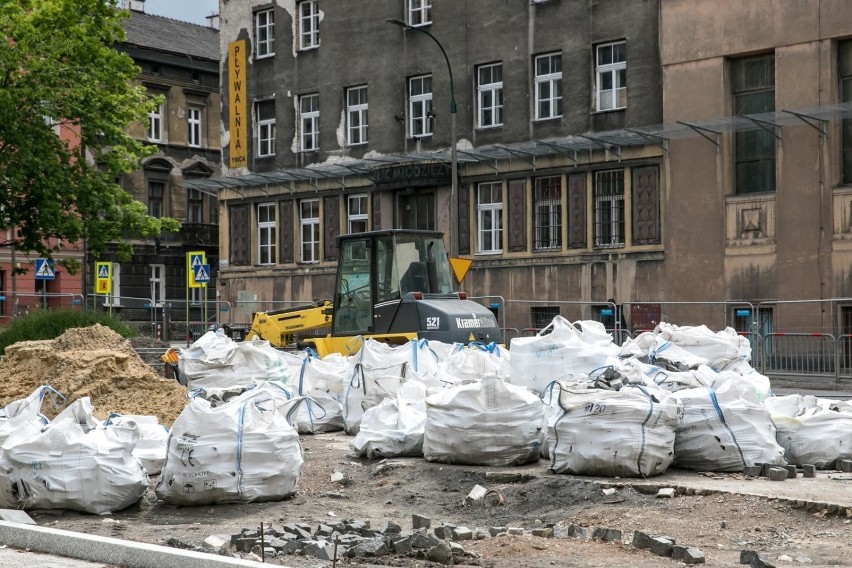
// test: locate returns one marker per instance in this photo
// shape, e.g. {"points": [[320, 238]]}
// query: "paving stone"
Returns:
{"points": [[445, 530], [424, 540], [441, 553], [543, 532], [753, 471], [792, 472], [324, 530], [808, 470], [754, 559], [457, 549], [420, 522], [403, 545], [369, 548], [764, 469], [777, 474], [661, 546], [480, 534], [678, 552], [390, 527], [581, 532], [243, 544], [641, 540], [518, 531], [477, 493], [216, 541], [843, 465], [666, 493], [693, 556], [461, 533], [494, 531], [16, 516]]}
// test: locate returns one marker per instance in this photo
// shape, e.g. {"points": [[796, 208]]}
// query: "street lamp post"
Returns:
{"points": [[454, 205]]}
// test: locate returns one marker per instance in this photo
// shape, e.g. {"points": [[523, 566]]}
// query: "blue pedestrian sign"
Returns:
{"points": [[201, 273], [44, 269]]}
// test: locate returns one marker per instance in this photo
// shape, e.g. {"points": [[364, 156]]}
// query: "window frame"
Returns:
{"points": [[158, 285], [547, 214], [422, 101], [193, 126], [489, 211], [194, 206], [844, 73], [746, 144], [310, 39], [265, 130], [609, 231], [614, 69], [419, 13], [155, 202], [554, 82], [359, 110], [264, 33], [361, 216], [266, 233], [495, 90], [155, 124], [311, 244], [114, 297], [309, 118]]}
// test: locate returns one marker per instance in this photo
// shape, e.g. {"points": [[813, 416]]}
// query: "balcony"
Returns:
{"points": [[201, 234]]}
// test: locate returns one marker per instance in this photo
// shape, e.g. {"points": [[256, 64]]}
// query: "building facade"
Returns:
{"points": [[338, 120], [179, 62]]}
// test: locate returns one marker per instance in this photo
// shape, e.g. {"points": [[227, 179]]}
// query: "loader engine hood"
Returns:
{"points": [[456, 320]]}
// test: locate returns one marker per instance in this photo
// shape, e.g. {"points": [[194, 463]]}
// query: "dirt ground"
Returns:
{"points": [[721, 525]]}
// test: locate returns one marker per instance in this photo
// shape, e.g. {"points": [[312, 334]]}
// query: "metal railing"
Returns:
{"points": [[16, 303]]}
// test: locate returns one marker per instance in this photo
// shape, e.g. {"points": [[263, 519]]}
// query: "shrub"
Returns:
{"points": [[50, 324]]}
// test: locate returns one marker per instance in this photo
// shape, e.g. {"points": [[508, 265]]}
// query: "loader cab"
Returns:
{"points": [[379, 272]]}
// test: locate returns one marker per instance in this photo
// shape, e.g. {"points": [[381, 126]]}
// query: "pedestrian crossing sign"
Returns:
{"points": [[103, 278], [202, 273], [194, 261], [44, 269]]}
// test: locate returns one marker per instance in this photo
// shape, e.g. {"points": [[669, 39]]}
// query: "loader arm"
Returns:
{"points": [[280, 327]]}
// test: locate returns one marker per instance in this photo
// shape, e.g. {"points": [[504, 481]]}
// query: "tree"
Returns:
{"points": [[60, 71]]}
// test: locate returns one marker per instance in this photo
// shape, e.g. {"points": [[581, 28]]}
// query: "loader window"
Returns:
{"points": [[353, 298], [387, 279]]}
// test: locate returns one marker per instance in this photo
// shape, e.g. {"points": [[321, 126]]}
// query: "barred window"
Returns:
{"points": [[609, 208], [547, 209]]}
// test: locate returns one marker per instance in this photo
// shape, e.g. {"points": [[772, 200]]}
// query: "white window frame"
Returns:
{"points": [[114, 298], [489, 89], [309, 224], [614, 98], [356, 115], [309, 122], [420, 106], [356, 212], [155, 124], [265, 132], [193, 126], [158, 285], [309, 24], [489, 213], [612, 203], [266, 233], [419, 12], [552, 81], [264, 34]]}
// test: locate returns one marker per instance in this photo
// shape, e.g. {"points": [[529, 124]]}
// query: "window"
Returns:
{"points": [[754, 150], [266, 233], [420, 106], [156, 189], [193, 123], [356, 116], [416, 211], [419, 12], [356, 213], [264, 39], [547, 210], [609, 208], [548, 86], [158, 285], [265, 113], [489, 210], [194, 206], [155, 124], [611, 76], [845, 57], [489, 95], [309, 220], [309, 122], [308, 24]]}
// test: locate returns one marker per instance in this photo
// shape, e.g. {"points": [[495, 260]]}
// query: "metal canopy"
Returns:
{"points": [[529, 151]]}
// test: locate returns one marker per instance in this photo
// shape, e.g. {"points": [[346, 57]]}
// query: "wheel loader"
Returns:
{"points": [[392, 286]]}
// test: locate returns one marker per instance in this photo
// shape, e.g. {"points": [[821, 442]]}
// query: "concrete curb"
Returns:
{"points": [[125, 553]]}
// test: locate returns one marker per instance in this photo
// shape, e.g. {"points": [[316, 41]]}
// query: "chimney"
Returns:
{"points": [[213, 21], [135, 5]]}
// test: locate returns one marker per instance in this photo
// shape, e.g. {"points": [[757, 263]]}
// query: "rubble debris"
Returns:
{"points": [[777, 473], [476, 494]]}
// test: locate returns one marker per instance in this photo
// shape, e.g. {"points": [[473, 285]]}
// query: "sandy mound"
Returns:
{"points": [[95, 362]]}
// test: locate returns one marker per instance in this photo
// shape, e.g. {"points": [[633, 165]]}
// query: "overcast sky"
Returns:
{"points": [[187, 10]]}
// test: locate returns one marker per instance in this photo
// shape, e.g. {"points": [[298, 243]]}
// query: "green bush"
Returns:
{"points": [[50, 324]]}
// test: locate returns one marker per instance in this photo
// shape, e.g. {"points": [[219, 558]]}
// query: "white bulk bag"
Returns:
{"points": [[475, 361], [722, 430], [488, 422], [215, 360], [17, 412], [242, 451], [71, 463], [625, 433], [812, 430], [321, 411], [539, 360], [395, 426], [328, 375], [150, 450], [719, 349]]}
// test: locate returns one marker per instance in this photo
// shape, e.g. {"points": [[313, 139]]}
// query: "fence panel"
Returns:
{"points": [[800, 355]]}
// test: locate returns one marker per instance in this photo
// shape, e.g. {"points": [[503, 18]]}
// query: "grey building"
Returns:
{"points": [[179, 61], [336, 120]]}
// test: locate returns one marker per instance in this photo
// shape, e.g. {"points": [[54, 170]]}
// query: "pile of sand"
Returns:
{"points": [[95, 362]]}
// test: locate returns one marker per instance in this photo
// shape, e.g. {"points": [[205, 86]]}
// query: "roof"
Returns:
{"points": [[165, 34]]}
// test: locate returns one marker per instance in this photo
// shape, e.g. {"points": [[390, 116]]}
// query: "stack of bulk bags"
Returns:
{"points": [[487, 422], [72, 463], [215, 360], [624, 433], [242, 451], [812, 430], [725, 428], [395, 426], [558, 351]]}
